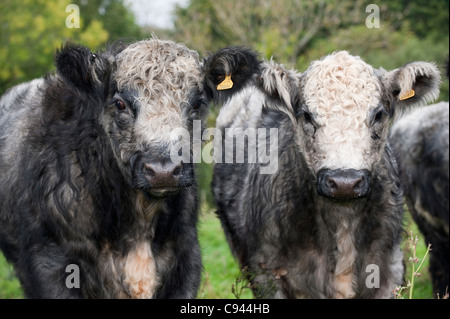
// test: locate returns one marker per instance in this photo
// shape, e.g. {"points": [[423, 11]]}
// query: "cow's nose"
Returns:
{"points": [[163, 175], [344, 184]]}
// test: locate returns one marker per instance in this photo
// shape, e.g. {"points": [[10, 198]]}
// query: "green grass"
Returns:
{"points": [[221, 269], [9, 285]]}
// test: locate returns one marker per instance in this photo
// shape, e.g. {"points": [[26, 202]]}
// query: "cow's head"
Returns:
{"points": [[345, 113], [341, 109], [146, 90]]}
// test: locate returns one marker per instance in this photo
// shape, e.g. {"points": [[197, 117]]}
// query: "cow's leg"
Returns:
{"points": [[177, 250], [183, 280], [44, 273]]}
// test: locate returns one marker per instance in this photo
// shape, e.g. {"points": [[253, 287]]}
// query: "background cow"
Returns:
{"points": [[421, 144], [86, 177], [328, 223]]}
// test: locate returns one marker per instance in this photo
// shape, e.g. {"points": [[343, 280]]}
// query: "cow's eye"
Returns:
{"points": [[120, 105], [198, 104], [379, 116], [308, 118], [308, 122]]}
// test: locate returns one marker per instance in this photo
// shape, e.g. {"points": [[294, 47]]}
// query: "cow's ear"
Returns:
{"points": [[228, 71], [281, 83], [78, 66], [413, 84]]}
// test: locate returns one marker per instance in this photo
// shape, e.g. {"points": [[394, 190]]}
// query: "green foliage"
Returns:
{"points": [[116, 17], [280, 28], [298, 32], [425, 18], [31, 31], [9, 285]]}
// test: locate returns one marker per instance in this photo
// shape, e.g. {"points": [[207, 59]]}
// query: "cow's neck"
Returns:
{"points": [[145, 211], [133, 255], [341, 221]]}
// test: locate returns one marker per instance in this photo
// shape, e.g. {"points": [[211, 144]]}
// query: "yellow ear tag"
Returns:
{"points": [[226, 84], [408, 95]]}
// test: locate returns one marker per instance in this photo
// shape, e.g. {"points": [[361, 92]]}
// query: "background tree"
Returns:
{"points": [[425, 18], [116, 17], [279, 28], [297, 32], [31, 31]]}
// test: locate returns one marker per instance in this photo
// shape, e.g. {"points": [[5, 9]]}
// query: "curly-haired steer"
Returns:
{"points": [[328, 222], [86, 181]]}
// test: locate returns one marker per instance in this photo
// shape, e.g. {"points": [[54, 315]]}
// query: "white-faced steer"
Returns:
{"points": [[328, 222], [91, 205]]}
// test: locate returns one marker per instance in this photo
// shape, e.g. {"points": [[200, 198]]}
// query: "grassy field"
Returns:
{"points": [[221, 270], [9, 285]]}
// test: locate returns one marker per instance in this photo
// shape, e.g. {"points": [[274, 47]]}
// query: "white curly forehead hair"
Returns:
{"points": [[339, 91], [341, 83], [162, 74]]}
